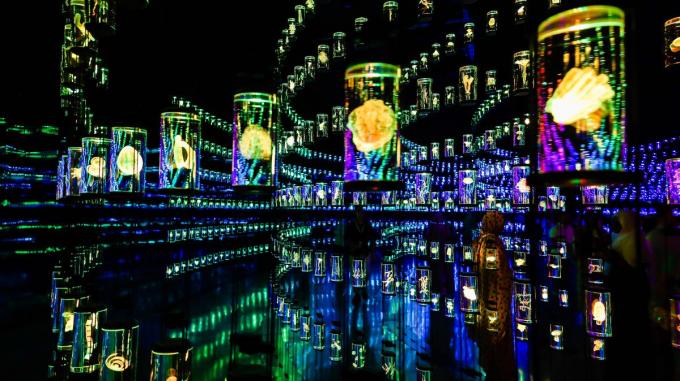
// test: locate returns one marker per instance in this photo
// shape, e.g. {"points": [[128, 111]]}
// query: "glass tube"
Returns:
{"points": [[423, 285], [372, 135], [436, 101], [60, 177], [449, 95], [360, 24], [339, 49], [435, 55], [450, 44], [424, 64], [523, 293], [468, 293], [127, 160], [388, 278], [322, 125], [675, 321], [359, 198], [553, 198], [597, 346], [300, 77], [319, 336], [335, 345], [120, 342], [518, 134], [672, 41], [434, 151], [306, 261], [73, 171], [489, 140], [469, 35], [310, 131], [93, 166], [310, 67], [321, 194], [425, 9], [520, 11], [491, 22], [423, 185], [521, 72], [521, 192], [305, 327], [66, 316], [467, 84], [673, 181], [323, 57], [254, 155], [449, 149], [295, 319], [338, 119], [581, 128], [171, 358], [86, 339], [336, 268], [468, 140], [319, 264], [466, 187], [300, 15], [391, 11], [180, 150], [358, 354], [490, 81], [557, 336], [598, 313], [337, 193], [554, 3], [595, 195], [424, 98]]}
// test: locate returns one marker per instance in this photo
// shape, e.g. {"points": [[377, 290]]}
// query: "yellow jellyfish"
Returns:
{"points": [[597, 345], [97, 167], [599, 312], [373, 124], [469, 293], [675, 45], [581, 99], [255, 143], [522, 186], [129, 161], [468, 180], [183, 155]]}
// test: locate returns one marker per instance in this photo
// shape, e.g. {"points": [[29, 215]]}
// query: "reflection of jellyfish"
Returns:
{"points": [[372, 124], [96, 167], [255, 143], [581, 98], [129, 161]]}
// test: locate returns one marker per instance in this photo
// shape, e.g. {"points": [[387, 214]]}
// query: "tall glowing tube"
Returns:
{"points": [[180, 152]]}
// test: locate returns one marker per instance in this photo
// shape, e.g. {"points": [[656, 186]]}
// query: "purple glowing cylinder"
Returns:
{"points": [[673, 180]]}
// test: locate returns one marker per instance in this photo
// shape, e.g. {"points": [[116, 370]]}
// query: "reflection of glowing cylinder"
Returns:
{"points": [[120, 341], [599, 314], [67, 307], [127, 160], [389, 365], [320, 264], [388, 278], [336, 268], [595, 195], [672, 41], [673, 181], [254, 154], [556, 336], [72, 171], [59, 289], [521, 191], [521, 332], [295, 318], [306, 261], [423, 285], [86, 344], [466, 186], [171, 358], [337, 195], [358, 355], [468, 293], [359, 273], [467, 84], [93, 166], [523, 293], [675, 321], [305, 327], [180, 152], [581, 96], [422, 187], [335, 345], [372, 134]]}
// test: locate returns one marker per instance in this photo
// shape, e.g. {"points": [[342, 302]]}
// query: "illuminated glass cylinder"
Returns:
{"points": [[307, 195], [598, 313], [358, 354], [450, 44], [336, 268], [489, 140], [521, 192], [673, 180], [67, 307], [521, 71], [337, 194], [306, 261], [448, 253], [93, 166], [521, 332], [127, 160], [319, 335], [469, 35], [520, 264], [554, 3], [468, 254], [323, 58], [422, 247], [595, 195], [434, 250], [423, 285], [553, 198], [59, 290], [320, 264], [305, 327], [543, 294], [389, 365], [425, 9], [424, 94], [467, 84], [468, 293], [254, 154], [321, 194], [322, 125], [180, 151], [339, 48], [581, 128], [554, 266], [338, 119], [449, 95], [491, 22], [557, 336], [388, 198], [422, 187], [391, 11], [73, 171], [518, 134], [672, 41], [523, 293], [520, 11], [359, 273], [60, 177], [295, 315], [120, 341], [335, 345], [280, 305], [423, 374], [422, 153], [490, 81], [449, 150], [296, 257], [372, 135], [86, 338], [466, 187], [468, 146], [434, 302], [434, 151], [597, 348], [449, 308], [171, 359], [285, 319], [359, 198], [563, 298], [675, 320], [388, 278]]}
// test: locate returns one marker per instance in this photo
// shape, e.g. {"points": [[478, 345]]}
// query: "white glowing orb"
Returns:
{"points": [[468, 180]]}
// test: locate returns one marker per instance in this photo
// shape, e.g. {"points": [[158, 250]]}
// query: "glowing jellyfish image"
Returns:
{"points": [[522, 186], [96, 168], [183, 155], [116, 362], [597, 344], [255, 143], [469, 293], [675, 45], [129, 161], [372, 124], [581, 99], [468, 80], [599, 312]]}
